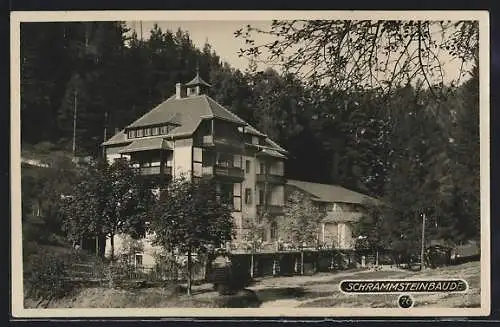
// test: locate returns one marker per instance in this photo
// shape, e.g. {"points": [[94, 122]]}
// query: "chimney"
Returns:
{"points": [[178, 90], [117, 130]]}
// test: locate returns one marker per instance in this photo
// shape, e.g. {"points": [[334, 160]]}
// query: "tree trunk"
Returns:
{"points": [[112, 242], [189, 272], [102, 245], [96, 245], [376, 258]]}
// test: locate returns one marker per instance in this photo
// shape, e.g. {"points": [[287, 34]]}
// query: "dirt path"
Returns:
{"points": [[321, 290]]}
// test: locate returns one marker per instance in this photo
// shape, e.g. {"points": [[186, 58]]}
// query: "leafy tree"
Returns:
{"points": [[302, 218], [108, 200], [375, 229], [357, 54], [230, 87], [465, 151], [45, 68], [189, 217]]}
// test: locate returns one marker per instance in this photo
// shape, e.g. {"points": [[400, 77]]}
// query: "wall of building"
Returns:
{"points": [[182, 158], [338, 235], [249, 210], [277, 167], [330, 234], [121, 244], [276, 194]]}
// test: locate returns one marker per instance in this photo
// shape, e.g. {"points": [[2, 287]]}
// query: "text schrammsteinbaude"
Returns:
{"points": [[403, 286]]}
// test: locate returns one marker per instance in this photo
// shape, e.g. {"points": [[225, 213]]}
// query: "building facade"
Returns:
{"points": [[190, 134], [342, 208]]}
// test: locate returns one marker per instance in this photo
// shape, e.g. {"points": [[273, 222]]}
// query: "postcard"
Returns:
{"points": [[250, 164]]}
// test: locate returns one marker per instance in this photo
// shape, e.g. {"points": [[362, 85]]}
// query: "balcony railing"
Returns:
{"points": [[154, 170], [220, 171], [210, 141], [270, 178], [272, 209]]}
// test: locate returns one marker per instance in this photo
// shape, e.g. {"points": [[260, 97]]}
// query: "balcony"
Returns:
{"points": [[234, 173], [148, 171], [212, 141], [272, 209], [270, 178]]}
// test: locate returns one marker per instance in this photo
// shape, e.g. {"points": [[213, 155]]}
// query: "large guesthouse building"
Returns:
{"points": [[193, 135]]}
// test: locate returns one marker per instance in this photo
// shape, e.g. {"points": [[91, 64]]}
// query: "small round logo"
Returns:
{"points": [[405, 301]]}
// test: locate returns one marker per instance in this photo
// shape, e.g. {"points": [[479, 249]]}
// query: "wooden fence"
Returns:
{"points": [[169, 272], [259, 264]]}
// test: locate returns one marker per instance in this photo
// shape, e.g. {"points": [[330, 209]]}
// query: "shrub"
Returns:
{"points": [[48, 278]]}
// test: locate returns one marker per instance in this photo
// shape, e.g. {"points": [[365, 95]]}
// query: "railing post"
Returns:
{"points": [[302, 261], [251, 264]]}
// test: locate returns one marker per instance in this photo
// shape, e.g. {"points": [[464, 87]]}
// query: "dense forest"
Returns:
{"points": [[417, 152]]}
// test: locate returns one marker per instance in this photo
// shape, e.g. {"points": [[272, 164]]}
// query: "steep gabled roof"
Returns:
{"points": [[331, 193], [190, 109], [187, 113], [119, 138], [220, 112]]}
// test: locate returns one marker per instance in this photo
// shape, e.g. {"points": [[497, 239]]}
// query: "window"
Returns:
{"points": [[261, 197], [237, 203], [263, 236], [224, 160], [255, 140], [248, 196], [262, 168], [197, 154], [163, 130], [226, 193], [237, 161], [273, 231], [140, 132], [138, 260], [131, 134], [147, 131], [207, 158], [124, 258], [247, 166], [197, 169]]}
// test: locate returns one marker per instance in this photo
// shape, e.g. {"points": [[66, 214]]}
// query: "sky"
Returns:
{"points": [[220, 35]]}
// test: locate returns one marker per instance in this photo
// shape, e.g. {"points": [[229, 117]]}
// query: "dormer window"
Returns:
{"points": [[140, 133], [155, 131], [131, 134], [147, 131]]}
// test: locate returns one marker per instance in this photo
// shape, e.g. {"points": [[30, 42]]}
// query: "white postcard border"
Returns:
{"points": [[18, 309]]}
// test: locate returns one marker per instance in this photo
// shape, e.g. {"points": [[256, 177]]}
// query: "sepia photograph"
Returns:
{"points": [[250, 164]]}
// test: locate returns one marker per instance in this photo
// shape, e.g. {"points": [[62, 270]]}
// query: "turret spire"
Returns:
{"points": [[197, 84]]}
